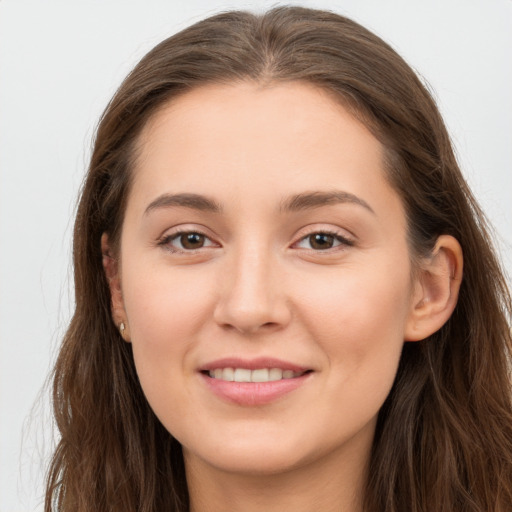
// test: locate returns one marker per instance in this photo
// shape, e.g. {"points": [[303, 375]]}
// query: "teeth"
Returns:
{"points": [[259, 375], [275, 374], [242, 375], [227, 374]]}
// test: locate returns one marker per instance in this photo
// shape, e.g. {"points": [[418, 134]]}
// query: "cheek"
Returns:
{"points": [[166, 311], [359, 319], [367, 303], [161, 304], [359, 325]]}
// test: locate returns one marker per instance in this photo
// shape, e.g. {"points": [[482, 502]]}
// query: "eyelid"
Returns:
{"points": [[345, 238], [172, 234]]}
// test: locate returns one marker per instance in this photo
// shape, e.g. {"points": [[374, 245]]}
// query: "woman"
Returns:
{"points": [[271, 306]]}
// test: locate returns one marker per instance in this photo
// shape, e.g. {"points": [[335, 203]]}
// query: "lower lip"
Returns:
{"points": [[253, 393]]}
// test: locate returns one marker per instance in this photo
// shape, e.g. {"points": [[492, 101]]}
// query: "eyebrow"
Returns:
{"points": [[298, 202], [309, 200], [193, 201]]}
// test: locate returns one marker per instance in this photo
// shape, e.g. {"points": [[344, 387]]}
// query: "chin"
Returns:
{"points": [[250, 456], [254, 464]]}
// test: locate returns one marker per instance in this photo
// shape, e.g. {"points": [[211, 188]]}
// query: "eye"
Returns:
{"points": [[186, 241], [322, 241]]}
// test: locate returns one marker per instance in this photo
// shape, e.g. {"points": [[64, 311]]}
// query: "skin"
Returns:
{"points": [[258, 287]]}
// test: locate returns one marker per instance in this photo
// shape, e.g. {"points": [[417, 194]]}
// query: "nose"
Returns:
{"points": [[252, 295]]}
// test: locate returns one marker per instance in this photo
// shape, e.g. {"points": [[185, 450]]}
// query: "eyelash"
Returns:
{"points": [[343, 241], [167, 239]]}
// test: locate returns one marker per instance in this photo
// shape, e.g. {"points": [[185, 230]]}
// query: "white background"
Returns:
{"points": [[60, 61]]}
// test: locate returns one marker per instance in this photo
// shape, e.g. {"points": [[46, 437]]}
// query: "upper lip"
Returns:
{"points": [[252, 364]]}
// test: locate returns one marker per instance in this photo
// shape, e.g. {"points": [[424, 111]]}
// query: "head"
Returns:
{"points": [[432, 396]]}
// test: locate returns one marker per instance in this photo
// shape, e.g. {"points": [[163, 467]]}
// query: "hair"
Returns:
{"points": [[443, 440]]}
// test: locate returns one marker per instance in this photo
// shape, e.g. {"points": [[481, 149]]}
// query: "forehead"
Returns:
{"points": [[220, 110], [245, 141]]}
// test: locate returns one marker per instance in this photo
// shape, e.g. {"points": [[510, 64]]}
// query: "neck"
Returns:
{"points": [[330, 485]]}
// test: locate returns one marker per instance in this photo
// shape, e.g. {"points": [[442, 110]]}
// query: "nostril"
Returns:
{"points": [[250, 327]]}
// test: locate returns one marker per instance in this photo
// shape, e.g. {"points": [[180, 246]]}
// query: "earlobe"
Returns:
{"points": [[436, 289], [111, 269]]}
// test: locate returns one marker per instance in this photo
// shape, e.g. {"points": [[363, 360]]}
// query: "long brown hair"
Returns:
{"points": [[444, 435]]}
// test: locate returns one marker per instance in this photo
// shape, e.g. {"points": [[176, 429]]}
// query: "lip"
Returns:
{"points": [[252, 364], [253, 393]]}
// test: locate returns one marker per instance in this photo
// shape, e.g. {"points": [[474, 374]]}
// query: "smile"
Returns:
{"points": [[253, 382], [257, 375]]}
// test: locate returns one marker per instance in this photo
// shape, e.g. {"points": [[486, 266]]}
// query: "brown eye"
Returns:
{"points": [[192, 240], [186, 241], [321, 241]]}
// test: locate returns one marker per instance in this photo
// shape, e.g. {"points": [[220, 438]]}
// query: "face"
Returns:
{"points": [[265, 276]]}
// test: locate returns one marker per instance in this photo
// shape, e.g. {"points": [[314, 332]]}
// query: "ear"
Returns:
{"points": [[436, 289], [111, 268]]}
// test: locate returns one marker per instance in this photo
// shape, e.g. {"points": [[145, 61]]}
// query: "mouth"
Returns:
{"points": [[257, 375], [253, 382]]}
